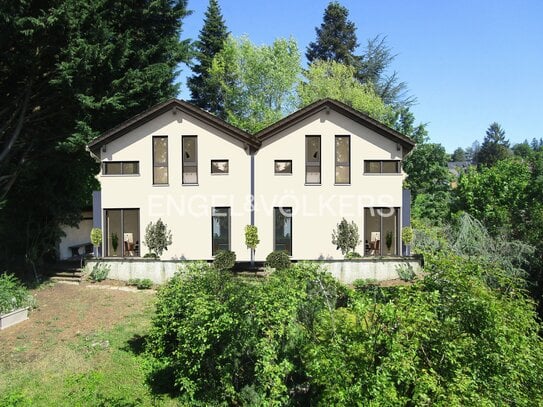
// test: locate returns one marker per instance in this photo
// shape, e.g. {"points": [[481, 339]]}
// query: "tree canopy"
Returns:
{"points": [[257, 82], [336, 37], [495, 146], [71, 70], [330, 79]]}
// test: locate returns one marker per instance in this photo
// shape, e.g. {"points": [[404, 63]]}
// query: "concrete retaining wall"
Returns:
{"points": [[345, 271]]}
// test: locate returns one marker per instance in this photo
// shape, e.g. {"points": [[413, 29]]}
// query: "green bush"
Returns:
{"points": [[140, 283], [224, 260], [353, 255], [228, 341], [99, 272], [279, 260], [13, 294], [299, 337], [405, 272], [150, 256]]}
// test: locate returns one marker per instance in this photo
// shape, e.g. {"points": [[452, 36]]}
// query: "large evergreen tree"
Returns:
{"points": [[214, 33], [495, 146], [336, 37], [70, 70]]}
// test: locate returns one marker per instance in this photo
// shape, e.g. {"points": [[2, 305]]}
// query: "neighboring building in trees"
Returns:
{"points": [[205, 93]]}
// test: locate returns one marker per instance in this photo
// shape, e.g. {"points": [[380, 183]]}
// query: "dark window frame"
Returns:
{"points": [[213, 251], [217, 173], [184, 161], [281, 161], [309, 164], [381, 162], [398, 214], [343, 163], [281, 209], [164, 164], [105, 237], [105, 165]]}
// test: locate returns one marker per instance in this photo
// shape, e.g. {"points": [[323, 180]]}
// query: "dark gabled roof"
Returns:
{"points": [[343, 109], [155, 111]]}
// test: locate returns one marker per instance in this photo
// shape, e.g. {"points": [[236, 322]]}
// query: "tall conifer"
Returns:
{"points": [[204, 93]]}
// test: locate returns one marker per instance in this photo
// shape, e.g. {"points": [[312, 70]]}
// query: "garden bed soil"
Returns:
{"points": [[64, 313]]}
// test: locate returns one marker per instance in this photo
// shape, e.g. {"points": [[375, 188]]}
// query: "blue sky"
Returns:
{"points": [[468, 63]]}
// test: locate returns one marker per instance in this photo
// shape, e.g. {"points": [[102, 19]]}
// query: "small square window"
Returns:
{"points": [[283, 167], [219, 166]]}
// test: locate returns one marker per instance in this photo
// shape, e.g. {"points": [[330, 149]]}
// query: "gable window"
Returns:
{"points": [[282, 167], [121, 168], [220, 229], [312, 159], [219, 166], [160, 160], [190, 160], [382, 167], [282, 230], [343, 160]]}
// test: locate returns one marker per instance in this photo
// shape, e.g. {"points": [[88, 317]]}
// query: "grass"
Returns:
{"points": [[81, 347]]}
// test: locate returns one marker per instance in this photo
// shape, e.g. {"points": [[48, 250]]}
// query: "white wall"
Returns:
{"points": [[317, 209], [186, 209], [75, 236]]}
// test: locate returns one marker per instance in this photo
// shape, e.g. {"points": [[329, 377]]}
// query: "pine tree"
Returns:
{"points": [[204, 93], [336, 37], [495, 146]]}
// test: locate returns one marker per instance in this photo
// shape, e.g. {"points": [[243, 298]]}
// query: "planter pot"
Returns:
{"points": [[13, 317]]}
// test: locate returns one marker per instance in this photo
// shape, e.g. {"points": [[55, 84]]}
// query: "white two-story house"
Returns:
{"points": [[294, 180]]}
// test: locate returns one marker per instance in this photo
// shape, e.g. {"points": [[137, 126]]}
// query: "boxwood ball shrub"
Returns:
{"points": [[279, 260], [224, 260]]}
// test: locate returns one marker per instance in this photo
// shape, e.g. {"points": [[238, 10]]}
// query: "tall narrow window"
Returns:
{"points": [[220, 229], [343, 159], [282, 230], [312, 159], [190, 160], [160, 160]]}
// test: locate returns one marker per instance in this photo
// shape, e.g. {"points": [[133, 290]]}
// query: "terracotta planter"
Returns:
{"points": [[13, 317]]}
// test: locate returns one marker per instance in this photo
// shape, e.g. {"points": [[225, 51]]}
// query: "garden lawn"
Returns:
{"points": [[81, 347]]}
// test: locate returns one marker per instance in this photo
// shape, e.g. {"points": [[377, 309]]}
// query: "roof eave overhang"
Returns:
{"points": [[171, 105], [343, 109]]}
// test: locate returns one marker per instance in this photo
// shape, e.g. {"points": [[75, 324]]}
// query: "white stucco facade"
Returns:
{"points": [[318, 208], [187, 208]]}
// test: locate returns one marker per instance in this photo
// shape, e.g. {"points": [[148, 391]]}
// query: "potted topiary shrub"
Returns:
{"points": [[388, 241], [96, 239], [14, 301], [407, 238]]}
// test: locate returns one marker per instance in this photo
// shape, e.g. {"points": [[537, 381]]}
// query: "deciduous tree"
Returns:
{"points": [[257, 82]]}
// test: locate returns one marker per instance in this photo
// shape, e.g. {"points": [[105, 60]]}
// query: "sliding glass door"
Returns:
{"points": [[381, 231], [122, 230]]}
